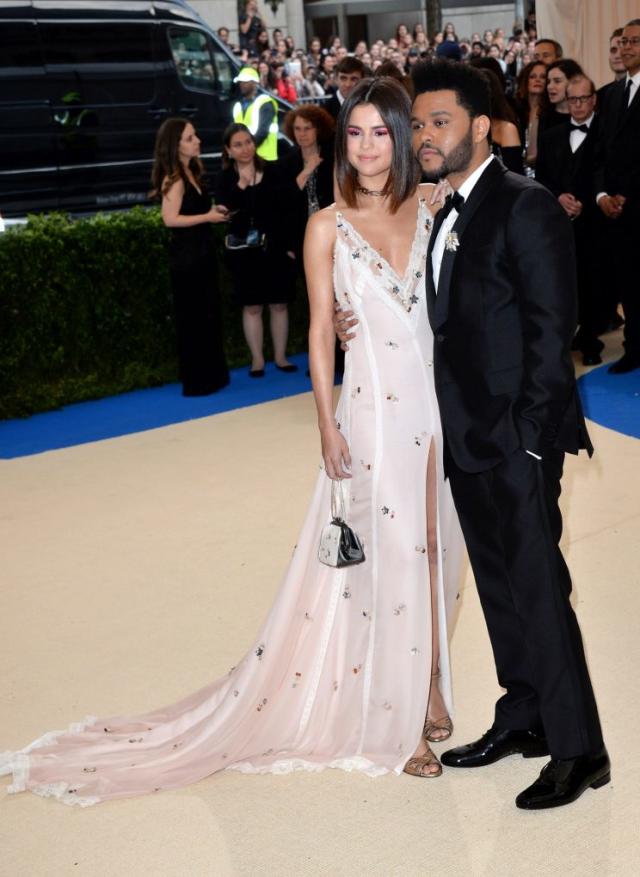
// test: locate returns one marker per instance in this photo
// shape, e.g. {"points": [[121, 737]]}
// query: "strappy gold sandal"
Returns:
{"points": [[443, 727], [419, 766]]}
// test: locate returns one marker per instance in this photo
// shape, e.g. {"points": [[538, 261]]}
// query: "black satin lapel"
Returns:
{"points": [[482, 188]]}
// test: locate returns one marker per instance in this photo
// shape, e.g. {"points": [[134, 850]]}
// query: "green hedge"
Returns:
{"points": [[86, 312]]}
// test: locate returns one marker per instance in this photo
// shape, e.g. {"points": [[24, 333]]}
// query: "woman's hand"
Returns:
{"points": [[219, 213], [335, 453], [440, 192], [312, 163]]}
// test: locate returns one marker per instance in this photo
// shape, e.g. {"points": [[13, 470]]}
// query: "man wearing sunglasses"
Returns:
{"points": [[617, 181]]}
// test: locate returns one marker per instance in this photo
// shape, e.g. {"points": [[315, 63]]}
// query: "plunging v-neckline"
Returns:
{"points": [[401, 278]]}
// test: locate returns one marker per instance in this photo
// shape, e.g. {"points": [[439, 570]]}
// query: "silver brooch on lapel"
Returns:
{"points": [[451, 242]]}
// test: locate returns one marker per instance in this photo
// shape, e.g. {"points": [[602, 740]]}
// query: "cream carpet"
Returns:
{"points": [[135, 570]]}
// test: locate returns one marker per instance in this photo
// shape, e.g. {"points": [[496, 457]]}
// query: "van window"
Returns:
{"points": [[21, 66], [224, 73], [106, 62], [193, 59]]}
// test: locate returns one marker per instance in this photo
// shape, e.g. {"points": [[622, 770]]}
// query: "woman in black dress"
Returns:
{"points": [[186, 210], [259, 246], [307, 169]]}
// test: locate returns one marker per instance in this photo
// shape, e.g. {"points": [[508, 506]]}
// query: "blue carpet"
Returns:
{"points": [[144, 409], [612, 400]]}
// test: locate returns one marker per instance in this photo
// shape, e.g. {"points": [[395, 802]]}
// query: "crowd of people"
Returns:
{"points": [[295, 73], [547, 122]]}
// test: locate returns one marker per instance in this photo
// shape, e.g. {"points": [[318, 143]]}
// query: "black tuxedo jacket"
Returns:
{"points": [[503, 319], [561, 170], [332, 106], [617, 161]]}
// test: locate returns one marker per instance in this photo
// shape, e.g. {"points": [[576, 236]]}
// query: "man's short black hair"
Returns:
{"points": [[351, 65], [470, 86]]}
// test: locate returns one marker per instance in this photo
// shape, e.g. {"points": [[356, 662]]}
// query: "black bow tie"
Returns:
{"points": [[454, 202], [584, 128]]}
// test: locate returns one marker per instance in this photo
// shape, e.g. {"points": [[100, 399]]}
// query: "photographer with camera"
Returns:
{"points": [[258, 247]]}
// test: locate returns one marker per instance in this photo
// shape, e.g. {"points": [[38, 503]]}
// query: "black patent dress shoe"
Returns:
{"points": [[290, 367], [624, 365], [564, 780], [497, 743]]}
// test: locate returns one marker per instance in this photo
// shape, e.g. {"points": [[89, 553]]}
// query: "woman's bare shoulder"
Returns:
{"points": [[322, 225]]}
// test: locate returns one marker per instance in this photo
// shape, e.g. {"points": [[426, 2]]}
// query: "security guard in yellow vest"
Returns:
{"points": [[259, 112]]}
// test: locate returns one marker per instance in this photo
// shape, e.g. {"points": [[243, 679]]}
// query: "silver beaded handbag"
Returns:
{"points": [[339, 545]]}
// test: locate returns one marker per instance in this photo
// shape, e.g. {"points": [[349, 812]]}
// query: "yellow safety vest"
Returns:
{"points": [[268, 149]]}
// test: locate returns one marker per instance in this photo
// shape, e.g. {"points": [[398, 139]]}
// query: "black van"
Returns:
{"points": [[84, 85]]}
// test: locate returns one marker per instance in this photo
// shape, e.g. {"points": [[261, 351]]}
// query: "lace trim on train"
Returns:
{"points": [[17, 764], [402, 289], [285, 766]]}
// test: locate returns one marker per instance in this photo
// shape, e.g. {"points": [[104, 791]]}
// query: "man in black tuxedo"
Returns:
{"points": [[501, 292], [617, 184], [565, 165], [349, 72], [615, 64]]}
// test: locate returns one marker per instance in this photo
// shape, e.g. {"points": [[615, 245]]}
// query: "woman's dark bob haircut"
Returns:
{"points": [[392, 102]]}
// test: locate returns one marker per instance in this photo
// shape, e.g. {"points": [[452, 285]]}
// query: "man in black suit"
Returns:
{"points": [[617, 184], [501, 292], [615, 64], [349, 72], [565, 165]]}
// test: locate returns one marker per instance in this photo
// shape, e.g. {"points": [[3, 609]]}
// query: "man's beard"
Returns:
{"points": [[456, 161]]}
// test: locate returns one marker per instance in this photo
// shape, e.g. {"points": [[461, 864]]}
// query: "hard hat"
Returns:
{"points": [[247, 74]]}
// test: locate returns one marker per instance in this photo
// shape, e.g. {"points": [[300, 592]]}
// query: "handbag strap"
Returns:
{"points": [[337, 500]]}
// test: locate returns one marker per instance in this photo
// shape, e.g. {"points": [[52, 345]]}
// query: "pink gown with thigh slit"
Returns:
{"points": [[339, 674]]}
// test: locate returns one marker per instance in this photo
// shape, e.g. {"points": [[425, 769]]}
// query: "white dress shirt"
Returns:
{"points": [[438, 247], [576, 138], [635, 85]]}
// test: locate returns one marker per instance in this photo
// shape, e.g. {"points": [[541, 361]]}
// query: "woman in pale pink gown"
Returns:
{"points": [[341, 672]]}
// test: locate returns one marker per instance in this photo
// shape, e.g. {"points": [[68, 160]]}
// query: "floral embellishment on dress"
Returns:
{"points": [[260, 651], [135, 739], [357, 669], [262, 704], [366, 614], [451, 242], [355, 254], [385, 510], [399, 609], [414, 299], [366, 466], [418, 275], [89, 769], [391, 397], [308, 617], [395, 289], [421, 549], [392, 344], [296, 679], [335, 685], [415, 651], [346, 594], [386, 705], [355, 392], [235, 692]]}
